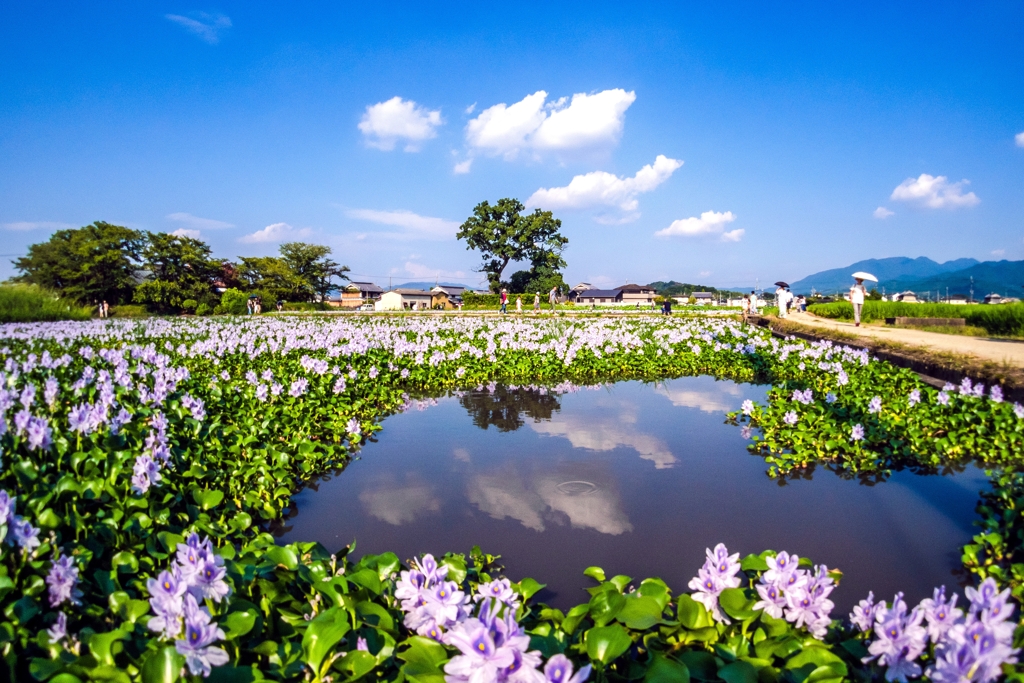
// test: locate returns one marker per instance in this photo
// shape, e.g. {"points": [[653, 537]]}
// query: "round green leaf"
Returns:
{"points": [[606, 643], [162, 666]]}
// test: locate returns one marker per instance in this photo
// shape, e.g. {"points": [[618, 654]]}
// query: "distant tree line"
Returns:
{"points": [[169, 273], [673, 288]]}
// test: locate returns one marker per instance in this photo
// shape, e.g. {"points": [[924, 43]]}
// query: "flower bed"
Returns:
{"points": [[142, 462]]}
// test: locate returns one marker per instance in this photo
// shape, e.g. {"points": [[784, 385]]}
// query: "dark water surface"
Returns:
{"points": [[636, 478]]}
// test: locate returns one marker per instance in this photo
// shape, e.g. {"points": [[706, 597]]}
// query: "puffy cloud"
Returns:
{"points": [[412, 225], [999, 252], [584, 122], [710, 222], [462, 167], [36, 225], [385, 123], [276, 232], [399, 505], [206, 27], [583, 432], [600, 188], [1019, 138], [197, 223], [934, 192], [882, 213], [733, 235], [184, 232], [721, 398]]}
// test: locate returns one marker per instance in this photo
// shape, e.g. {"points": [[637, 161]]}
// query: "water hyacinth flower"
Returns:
{"points": [[857, 433], [942, 398], [197, 645], [59, 630], [863, 614], [914, 398], [995, 394], [875, 405], [790, 417], [353, 428], [748, 407], [559, 670], [23, 533], [63, 582], [717, 574], [493, 647], [940, 614], [167, 593], [1018, 410], [7, 504], [498, 589], [831, 398], [899, 640]]}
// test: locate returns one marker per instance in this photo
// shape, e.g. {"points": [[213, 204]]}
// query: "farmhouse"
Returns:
{"points": [[354, 294], [628, 294], [404, 300]]}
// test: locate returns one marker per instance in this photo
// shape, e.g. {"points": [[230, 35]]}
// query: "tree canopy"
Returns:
{"points": [[310, 264], [98, 262], [177, 269], [502, 234]]}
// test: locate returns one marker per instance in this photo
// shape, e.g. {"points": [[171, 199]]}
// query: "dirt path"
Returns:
{"points": [[992, 350]]}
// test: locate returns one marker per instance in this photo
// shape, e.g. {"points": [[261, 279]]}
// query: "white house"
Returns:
{"points": [[403, 300]]}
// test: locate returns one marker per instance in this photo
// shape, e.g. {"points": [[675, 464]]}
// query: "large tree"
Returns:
{"points": [[502, 234], [179, 269], [98, 262], [270, 274], [310, 264]]}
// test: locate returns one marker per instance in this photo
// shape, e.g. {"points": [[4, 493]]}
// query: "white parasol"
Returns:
{"points": [[861, 275]]}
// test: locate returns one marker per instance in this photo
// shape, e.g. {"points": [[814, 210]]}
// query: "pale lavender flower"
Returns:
{"points": [[940, 614], [197, 645], [63, 582], [863, 614], [914, 398], [298, 387], [772, 601], [23, 533], [830, 398], [498, 589], [559, 670], [842, 378], [748, 407], [857, 433], [900, 640], [746, 432], [995, 394], [361, 644], [50, 391], [59, 630], [208, 582], [717, 574], [1018, 410], [460, 372], [353, 428], [405, 373], [965, 387], [261, 393], [942, 398], [790, 418], [39, 434], [276, 389], [7, 503], [28, 396], [875, 405]]}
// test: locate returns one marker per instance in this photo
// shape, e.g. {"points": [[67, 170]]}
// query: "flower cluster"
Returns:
{"points": [[20, 530], [62, 582], [197, 573], [146, 471], [493, 646], [798, 594], [718, 573], [970, 647]]}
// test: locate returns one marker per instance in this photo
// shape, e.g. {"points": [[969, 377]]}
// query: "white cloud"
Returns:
{"points": [[462, 167], [710, 222], [36, 225], [704, 273], [721, 398], [276, 232], [399, 505], [583, 432], [471, 108], [385, 123], [586, 122], [413, 225], [197, 223], [184, 232], [999, 252], [882, 213], [206, 26], [600, 188], [418, 270], [733, 235], [1019, 138], [934, 192]]}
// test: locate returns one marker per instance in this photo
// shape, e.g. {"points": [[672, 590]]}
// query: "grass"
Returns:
{"points": [[29, 303], [997, 319]]}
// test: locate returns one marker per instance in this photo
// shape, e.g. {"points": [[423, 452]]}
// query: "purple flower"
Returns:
{"points": [[353, 427], [875, 405], [261, 393], [790, 418], [23, 533], [857, 433], [863, 615], [197, 645], [59, 630], [209, 581], [914, 398], [940, 614], [482, 658], [717, 574], [830, 398], [50, 391], [748, 407], [145, 473], [965, 387], [63, 582], [361, 644], [559, 670], [298, 387], [900, 639], [772, 601], [746, 432], [39, 433], [1018, 410], [995, 394], [7, 503], [498, 589], [942, 398]]}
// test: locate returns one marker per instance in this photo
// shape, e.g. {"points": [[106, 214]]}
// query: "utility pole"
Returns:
{"points": [[972, 290], [389, 283]]}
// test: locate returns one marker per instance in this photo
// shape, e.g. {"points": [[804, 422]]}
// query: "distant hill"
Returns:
{"points": [[429, 285], [885, 269], [922, 275], [673, 288]]}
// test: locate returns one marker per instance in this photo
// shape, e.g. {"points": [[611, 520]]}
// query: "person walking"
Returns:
{"points": [[504, 300], [753, 302], [519, 304], [857, 295], [248, 306], [536, 302], [745, 307], [781, 301], [553, 298]]}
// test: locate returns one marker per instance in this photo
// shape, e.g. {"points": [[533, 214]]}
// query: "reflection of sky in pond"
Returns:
{"points": [[636, 478]]}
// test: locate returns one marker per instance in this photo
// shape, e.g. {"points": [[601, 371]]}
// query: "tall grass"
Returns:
{"points": [[28, 303], [1002, 319]]}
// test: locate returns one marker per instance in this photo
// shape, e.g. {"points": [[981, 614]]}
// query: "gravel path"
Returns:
{"points": [[996, 350]]}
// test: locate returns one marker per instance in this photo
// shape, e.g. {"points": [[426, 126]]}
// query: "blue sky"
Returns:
{"points": [[809, 137]]}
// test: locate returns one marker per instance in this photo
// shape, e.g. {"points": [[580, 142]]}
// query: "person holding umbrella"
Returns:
{"points": [[782, 298], [858, 293]]}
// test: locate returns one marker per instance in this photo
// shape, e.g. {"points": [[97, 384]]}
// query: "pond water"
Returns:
{"points": [[636, 478]]}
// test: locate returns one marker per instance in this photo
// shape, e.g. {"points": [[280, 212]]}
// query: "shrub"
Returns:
{"points": [[203, 309], [189, 305], [232, 302], [29, 303]]}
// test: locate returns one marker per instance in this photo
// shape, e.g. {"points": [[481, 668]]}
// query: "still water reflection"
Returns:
{"points": [[637, 478]]}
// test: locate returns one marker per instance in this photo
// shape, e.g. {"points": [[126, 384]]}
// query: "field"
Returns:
{"points": [[1003, 319], [143, 461], [27, 303]]}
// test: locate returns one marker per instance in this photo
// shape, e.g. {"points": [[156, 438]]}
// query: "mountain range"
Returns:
{"points": [[920, 275]]}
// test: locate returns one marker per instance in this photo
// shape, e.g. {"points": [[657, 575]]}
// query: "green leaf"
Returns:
{"points": [[125, 561], [606, 643], [456, 565], [207, 499], [700, 664], [620, 581], [596, 573], [691, 614], [357, 663], [367, 578], [818, 656], [656, 589], [282, 556], [605, 605], [105, 646], [423, 658], [756, 563], [239, 620], [528, 587], [162, 666], [736, 604], [232, 674], [639, 612], [41, 669], [25, 609], [322, 634], [665, 670], [738, 672]]}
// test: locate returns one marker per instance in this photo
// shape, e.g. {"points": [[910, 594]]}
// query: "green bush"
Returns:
{"points": [[232, 302], [128, 311], [203, 309], [189, 305], [29, 303], [1003, 319]]}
